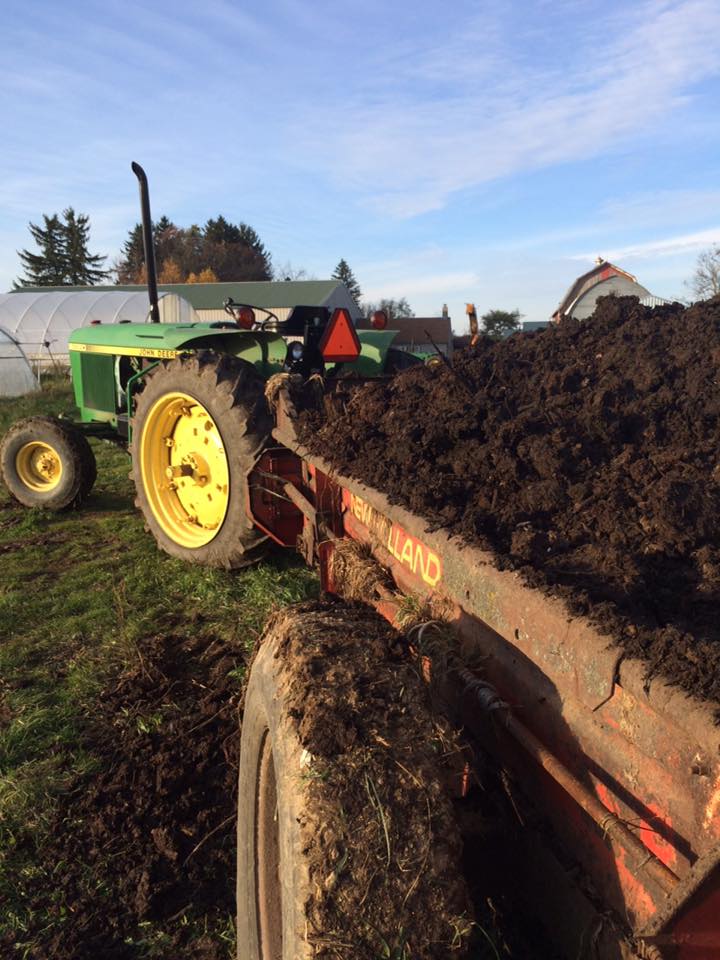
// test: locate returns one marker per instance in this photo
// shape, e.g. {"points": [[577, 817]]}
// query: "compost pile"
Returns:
{"points": [[586, 456]]}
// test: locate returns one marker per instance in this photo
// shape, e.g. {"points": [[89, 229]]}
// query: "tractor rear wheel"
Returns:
{"points": [[347, 844], [47, 463], [199, 428]]}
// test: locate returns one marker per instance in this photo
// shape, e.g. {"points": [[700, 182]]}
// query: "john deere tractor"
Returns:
{"points": [[187, 400]]}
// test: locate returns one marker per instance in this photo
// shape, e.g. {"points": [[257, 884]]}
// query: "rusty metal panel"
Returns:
{"points": [[650, 755]]}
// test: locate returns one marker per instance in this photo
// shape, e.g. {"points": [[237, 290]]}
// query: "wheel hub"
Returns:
{"points": [[38, 466], [185, 469]]}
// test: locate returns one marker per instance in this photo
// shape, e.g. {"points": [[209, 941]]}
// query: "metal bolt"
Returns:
{"points": [[184, 470]]}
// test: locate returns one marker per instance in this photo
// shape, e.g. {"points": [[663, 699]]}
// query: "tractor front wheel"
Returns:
{"points": [[199, 427], [47, 463]]}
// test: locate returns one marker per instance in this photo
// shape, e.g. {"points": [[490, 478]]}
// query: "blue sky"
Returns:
{"points": [[468, 151]]}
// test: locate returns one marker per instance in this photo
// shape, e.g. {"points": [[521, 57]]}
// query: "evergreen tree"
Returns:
{"points": [[130, 266], [220, 231], [219, 249], [234, 252], [344, 274], [64, 258], [47, 268], [83, 269], [249, 237]]}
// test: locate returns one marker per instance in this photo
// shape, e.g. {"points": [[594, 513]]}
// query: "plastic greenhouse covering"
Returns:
{"points": [[42, 322], [16, 376]]}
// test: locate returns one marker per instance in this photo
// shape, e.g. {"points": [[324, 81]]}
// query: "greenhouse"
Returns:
{"points": [[16, 376], [42, 322]]}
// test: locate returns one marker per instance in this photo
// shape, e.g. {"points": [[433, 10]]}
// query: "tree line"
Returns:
{"points": [[224, 251], [218, 251]]}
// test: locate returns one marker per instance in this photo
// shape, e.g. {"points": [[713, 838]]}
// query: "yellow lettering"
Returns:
{"points": [[407, 553], [431, 569]]}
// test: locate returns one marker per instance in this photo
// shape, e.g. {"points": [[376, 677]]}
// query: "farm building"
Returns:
{"points": [[413, 333], [604, 279], [41, 320], [207, 299]]}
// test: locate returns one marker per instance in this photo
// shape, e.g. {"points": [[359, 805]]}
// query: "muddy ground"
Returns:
{"points": [[586, 456], [147, 846], [143, 849]]}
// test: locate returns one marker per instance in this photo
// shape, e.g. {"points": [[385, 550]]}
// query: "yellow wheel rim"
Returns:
{"points": [[39, 466], [184, 469]]}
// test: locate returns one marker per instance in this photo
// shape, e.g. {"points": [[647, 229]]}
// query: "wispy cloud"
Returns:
{"points": [[484, 112], [666, 247]]}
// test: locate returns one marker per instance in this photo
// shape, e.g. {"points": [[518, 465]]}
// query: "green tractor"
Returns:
{"points": [[188, 402]]}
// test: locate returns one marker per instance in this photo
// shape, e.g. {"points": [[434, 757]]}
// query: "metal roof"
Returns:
{"points": [[602, 271]]}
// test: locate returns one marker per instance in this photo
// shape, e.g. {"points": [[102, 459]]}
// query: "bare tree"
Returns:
{"points": [[393, 308], [286, 271], [705, 282]]}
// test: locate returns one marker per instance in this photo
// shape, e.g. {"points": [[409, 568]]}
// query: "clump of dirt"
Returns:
{"points": [[142, 857], [382, 844], [587, 456]]}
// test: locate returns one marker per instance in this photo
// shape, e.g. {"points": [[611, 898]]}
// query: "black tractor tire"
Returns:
{"points": [[232, 393], [309, 816], [68, 447]]}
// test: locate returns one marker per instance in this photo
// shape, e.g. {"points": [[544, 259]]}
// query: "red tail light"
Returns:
{"points": [[379, 320], [245, 317]]}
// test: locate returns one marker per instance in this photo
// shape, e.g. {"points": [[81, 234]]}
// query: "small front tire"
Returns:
{"points": [[47, 463]]}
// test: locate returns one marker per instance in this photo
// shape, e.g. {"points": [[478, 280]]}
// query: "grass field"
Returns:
{"points": [[81, 595]]}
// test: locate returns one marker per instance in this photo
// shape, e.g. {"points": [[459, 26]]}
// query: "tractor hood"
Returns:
{"points": [[162, 340]]}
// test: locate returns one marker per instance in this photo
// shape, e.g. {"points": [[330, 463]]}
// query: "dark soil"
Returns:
{"points": [[586, 456], [142, 858]]}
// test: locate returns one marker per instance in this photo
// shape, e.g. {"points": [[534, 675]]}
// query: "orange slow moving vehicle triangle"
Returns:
{"points": [[339, 343]]}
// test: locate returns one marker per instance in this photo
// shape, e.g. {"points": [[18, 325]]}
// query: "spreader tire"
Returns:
{"points": [[270, 876], [200, 425], [47, 463], [346, 844]]}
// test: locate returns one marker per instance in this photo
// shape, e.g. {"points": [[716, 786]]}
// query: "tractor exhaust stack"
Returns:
{"points": [[148, 242]]}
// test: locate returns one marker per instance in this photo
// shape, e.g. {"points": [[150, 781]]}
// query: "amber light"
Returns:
{"points": [[379, 320], [245, 317]]}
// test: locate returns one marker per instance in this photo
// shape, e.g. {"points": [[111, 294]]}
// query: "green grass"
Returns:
{"points": [[79, 592]]}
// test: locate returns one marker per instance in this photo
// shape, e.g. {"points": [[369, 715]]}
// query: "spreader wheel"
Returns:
{"points": [[347, 846], [47, 463], [199, 428]]}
